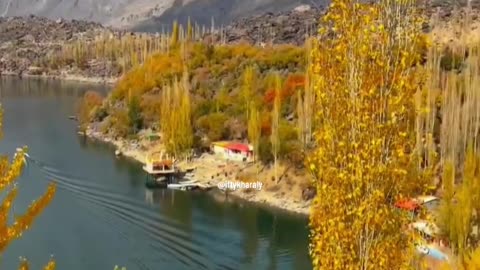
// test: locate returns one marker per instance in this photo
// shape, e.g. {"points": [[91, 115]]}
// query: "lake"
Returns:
{"points": [[102, 214]]}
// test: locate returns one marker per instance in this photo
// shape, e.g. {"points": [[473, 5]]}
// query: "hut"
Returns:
{"points": [[233, 151]]}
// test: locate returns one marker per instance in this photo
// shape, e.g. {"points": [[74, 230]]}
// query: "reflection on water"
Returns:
{"points": [[102, 214], [36, 87]]}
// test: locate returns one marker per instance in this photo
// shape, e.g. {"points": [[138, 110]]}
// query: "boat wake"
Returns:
{"points": [[166, 235]]}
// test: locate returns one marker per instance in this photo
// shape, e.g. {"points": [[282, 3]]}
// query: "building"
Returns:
{"points": [[233, 151], [159, 163]]}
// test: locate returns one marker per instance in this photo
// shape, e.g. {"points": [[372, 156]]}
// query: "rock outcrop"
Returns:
{"points": [[27, 41], [290, 27]]}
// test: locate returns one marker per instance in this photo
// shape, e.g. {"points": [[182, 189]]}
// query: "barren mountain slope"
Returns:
{"points": [[146, 14]]}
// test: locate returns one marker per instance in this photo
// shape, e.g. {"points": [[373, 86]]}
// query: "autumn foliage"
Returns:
{"points": [[365, 81], [87, 107], [9, 173]]}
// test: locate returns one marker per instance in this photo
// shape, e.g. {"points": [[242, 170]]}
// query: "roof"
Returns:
{"points": [[426, 227], [162, 163], [239, 147], [221, 144], [409, 205], [426, 199]]}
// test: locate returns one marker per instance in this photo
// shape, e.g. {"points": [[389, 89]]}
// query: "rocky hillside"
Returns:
{"points": [[146, 14], [290, 27], [26, 41]]}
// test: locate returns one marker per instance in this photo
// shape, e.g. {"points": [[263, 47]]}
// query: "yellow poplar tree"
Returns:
{"points": [[9, 173], [254, 129], [189, 30], [248, 87], [274, 137], [365, 158], [176, 124], [175, 34]]}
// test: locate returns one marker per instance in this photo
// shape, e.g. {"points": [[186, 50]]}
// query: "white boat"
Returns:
{"points": [[182, 186], [161, 179], [189, 181], [187, 186]]}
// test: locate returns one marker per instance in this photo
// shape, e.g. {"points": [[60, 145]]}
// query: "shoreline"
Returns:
{"points": [[262, 197], [270, 199], [65, 77]]}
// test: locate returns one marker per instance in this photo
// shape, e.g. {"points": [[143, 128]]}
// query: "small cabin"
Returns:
{"points": [[159, 163], [233, 151], [410, 206]]}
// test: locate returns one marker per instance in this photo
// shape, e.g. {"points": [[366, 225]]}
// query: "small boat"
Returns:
{"points": [[188, 181], [188, 186], [183, 186], [160, 182], [73, 117]]}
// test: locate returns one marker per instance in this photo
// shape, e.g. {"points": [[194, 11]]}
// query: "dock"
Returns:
{"points": [[162, 172]]}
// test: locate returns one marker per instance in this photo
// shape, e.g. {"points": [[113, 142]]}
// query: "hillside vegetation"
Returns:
{"points": [[378, 110], [218, 85]]}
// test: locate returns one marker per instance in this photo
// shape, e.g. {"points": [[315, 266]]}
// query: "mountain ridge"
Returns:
{"points": [[147, 15]]}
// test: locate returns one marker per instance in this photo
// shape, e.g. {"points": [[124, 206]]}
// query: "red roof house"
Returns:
{"points": [[233, 150]]}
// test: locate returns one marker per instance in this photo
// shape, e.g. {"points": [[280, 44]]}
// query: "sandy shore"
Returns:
{"points": [[210, 170]]}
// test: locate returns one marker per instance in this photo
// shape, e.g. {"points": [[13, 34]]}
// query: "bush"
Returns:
{"points": [[451, 61], [87, 107], [213, 126], [135, 120], [120, 123], [265, 150], [150, 107], [288, 140], [100, 114]]}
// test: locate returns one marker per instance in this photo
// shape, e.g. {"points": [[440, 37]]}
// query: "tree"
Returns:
{"points": [[301, 125], [274, 137], [176, 117], [458, 214], [189, 30], [308, 101], [254, 129], [134, 114], [471, 262], [175, 34], [9, 173], [365, 158], [213, 125], [87, 107], [248, 87]]}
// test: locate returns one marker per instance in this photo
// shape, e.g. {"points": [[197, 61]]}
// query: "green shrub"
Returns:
{"points": [[213, 126]]}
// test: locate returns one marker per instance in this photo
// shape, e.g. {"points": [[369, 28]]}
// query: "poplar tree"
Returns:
{"points": [[274, 136], [175, 34], [248, 87], [365, 158], [189, 30], [176, 122], [254, 129]]}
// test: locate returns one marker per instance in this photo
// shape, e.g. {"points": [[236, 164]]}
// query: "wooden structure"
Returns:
{"points": [[159, 163], [160, 169]]}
